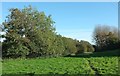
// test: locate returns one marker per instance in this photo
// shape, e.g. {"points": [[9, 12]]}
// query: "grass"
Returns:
{"points": [[47, 66], [105, 65], [100, 54], [63, 65]]}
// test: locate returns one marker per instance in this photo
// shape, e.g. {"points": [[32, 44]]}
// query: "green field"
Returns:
{"points": [[104, 65], [62, 65]]}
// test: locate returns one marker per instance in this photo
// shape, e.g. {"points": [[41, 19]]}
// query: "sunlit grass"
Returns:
{"points": [[62, 65]]}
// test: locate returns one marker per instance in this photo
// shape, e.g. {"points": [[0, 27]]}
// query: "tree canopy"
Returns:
{"points": [[106, 37], [28, 31]]}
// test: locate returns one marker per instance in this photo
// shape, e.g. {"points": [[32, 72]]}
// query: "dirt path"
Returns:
{"points": [[93, 68]]}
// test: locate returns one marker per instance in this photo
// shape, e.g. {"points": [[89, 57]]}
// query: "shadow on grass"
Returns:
{"points": [[115, 53]]}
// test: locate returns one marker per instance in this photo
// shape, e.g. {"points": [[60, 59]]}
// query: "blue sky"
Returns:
{"points": [[73, 19]]}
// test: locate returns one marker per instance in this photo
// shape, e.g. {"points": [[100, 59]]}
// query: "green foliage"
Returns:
{"points": [[29, 31], [60, 49], [84, 46], [70, 46]]}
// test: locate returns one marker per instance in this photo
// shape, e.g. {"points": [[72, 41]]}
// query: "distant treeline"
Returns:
{"points": [[30, 33]]}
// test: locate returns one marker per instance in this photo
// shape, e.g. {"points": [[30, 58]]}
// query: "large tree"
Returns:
{"points": [[28, 32], [105, 36]]}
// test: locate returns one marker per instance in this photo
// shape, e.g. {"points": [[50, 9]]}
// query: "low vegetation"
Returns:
{"points": [[105, 65], [63, 65]]}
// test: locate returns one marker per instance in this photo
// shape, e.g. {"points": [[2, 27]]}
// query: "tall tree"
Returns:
{"points": [[28, 31], [105, 36]]}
